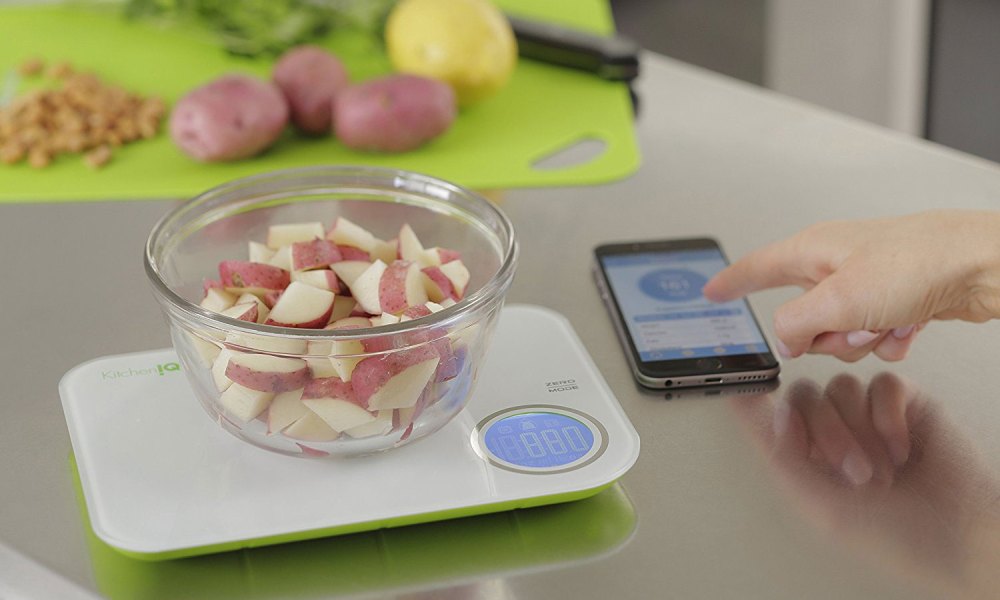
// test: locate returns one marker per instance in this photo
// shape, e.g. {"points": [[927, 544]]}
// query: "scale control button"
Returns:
{"points": [[539, 439]]}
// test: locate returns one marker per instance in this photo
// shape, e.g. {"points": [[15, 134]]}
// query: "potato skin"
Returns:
{"points": [[310, 78], [394, 113], [232, 117]]}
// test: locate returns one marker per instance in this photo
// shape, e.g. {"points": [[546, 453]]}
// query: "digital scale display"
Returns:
{"points": [[540, 440]]}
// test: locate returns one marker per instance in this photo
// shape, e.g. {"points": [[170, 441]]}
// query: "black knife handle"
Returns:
{"points": [[613, 58]]}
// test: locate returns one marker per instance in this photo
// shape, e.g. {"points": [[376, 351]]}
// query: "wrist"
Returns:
{"points": [[981, 573], [982, 282]]}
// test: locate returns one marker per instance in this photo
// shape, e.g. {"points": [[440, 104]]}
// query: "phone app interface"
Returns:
{"points": [[659, 294]]}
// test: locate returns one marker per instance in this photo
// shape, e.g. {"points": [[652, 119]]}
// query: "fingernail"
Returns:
{"points": [[781, 416], [857, 468], [903, 332], [783, 349], [861, 337], [899, 450]]}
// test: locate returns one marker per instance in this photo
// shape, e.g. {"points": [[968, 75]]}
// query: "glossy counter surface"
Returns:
{"points": [[717, 506]]}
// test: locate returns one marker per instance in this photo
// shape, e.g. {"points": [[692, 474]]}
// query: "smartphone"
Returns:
{"points": [[673, 336]]}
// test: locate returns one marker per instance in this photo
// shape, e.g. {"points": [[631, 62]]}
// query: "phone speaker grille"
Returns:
{"points": [[751, 378]]}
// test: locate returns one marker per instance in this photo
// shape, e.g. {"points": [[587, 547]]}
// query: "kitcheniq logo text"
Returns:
{"points": [[159, 370]]}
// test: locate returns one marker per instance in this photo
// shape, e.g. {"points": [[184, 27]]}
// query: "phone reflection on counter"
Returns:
{"points": [[460, 559], [729, 389], [880, 468]]}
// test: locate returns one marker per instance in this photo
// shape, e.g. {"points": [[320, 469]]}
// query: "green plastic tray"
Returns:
{"points": [[493, 145]]}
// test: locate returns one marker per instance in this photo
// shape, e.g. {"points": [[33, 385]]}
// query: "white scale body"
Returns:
{"points": [[161, 480]]}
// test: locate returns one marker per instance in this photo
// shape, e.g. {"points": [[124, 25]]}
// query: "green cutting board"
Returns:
{"points": [[492, 145]]}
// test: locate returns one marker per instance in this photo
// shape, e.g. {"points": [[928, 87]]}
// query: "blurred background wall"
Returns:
{"points": [[929, 68]]}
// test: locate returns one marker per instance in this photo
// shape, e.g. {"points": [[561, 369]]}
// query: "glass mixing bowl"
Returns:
{"points": [[299, 390]]}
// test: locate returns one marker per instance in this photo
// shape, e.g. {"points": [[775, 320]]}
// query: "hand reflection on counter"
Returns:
{"points": [[880, 468]]}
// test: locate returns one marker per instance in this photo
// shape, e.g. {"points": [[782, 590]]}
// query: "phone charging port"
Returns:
{"points": [[713, 380]]}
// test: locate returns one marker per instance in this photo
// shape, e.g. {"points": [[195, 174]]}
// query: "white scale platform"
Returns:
{"points": [[162, 480]]}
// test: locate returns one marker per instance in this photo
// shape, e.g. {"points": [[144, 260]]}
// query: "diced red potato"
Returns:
{"points": [[359, 387], [406, 417], [241, 342], [246, 274], [359, 312], [286, 408], [401, 287], [378, 343], [437, 285], [339, 414], [451, 362], [345, 354], [208, 284], [320, 365], [219, 370], [217, 299], [310, 78], [415, 312], [409, 246], [302, 306], [330, 387], [381, 425], [323, 279], [262, 309], [242, 312], [366, 287], [233, 117], [384, 319], [435, 257], [314, 254], [385, 251], [387, 382], [458, 274], [311, 428], [260, 253], [382, 288], [350, 323], [352, 253], [349, 270], [271, 297], [348, 233], [396, 113], [289, 233], [266, 373], [434, 342], [282, 258], [343, 306], [244, 403], [206, 349]]}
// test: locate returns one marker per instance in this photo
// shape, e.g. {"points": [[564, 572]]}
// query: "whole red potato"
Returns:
{"points": [[232, 117], [310, 78], [393, 114]]}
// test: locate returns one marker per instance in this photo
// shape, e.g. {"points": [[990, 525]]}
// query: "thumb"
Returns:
{"points": [[832, 305]]}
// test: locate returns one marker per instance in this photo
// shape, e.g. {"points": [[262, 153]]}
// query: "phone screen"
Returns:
{"points": [[659, 296]]}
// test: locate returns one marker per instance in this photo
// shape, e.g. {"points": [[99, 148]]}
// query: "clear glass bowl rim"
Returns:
{"points": [[481, 298]]}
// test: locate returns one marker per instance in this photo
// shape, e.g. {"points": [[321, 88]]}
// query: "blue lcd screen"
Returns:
{"points": [[539, 439]]}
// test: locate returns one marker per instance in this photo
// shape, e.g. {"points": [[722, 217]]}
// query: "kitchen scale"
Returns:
{"points": [[161, 481]]}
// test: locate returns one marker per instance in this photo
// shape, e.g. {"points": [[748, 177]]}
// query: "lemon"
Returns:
{"points": [[465, 43]]}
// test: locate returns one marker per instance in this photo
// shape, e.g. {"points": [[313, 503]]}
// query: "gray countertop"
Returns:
{"points": [[716, 515]]}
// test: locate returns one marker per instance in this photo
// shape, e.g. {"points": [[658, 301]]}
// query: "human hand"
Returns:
{"points": [[872, 285], [880, 469]]}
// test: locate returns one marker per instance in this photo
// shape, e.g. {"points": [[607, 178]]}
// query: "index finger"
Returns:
{"points": [[774, 265]]}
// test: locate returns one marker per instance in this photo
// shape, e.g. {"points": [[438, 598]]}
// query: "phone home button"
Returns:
{"points": [[709, 364]]}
